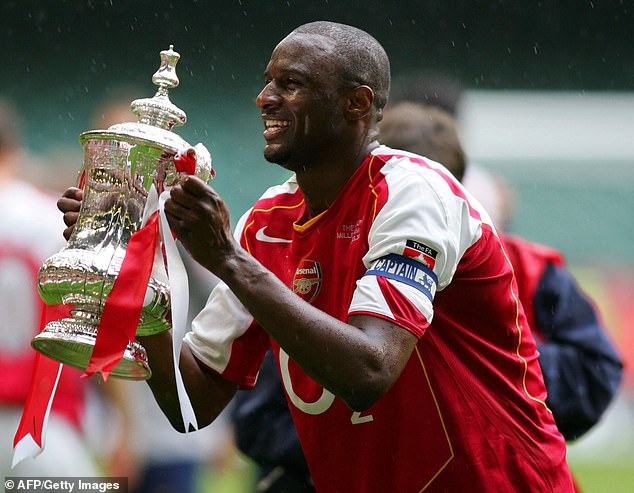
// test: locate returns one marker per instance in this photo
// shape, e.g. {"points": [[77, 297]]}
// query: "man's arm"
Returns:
{"points": [[582, 369], [357, 361], [208, 392]]}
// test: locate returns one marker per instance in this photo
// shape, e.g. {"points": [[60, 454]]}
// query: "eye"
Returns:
{"points": [[292, 83]]}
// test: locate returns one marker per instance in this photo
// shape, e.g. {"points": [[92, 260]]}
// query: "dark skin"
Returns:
{"points": [[322, 132]]}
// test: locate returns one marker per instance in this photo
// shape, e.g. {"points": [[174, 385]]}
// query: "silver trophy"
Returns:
{"points": [[121, 165]]}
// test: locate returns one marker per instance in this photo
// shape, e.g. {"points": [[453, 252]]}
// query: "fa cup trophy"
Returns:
{"points": [[123, 167]]}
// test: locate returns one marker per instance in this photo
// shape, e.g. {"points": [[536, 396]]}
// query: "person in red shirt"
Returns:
{"points": [[28, 235], [581, 367], [381, 286]]}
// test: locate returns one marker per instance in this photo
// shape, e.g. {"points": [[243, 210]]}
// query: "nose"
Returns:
{"points": [[268, 96]]}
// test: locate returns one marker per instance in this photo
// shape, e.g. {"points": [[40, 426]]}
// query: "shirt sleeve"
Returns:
{"points": [[415, 244]]}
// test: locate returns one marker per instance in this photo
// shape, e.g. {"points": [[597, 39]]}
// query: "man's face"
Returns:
{"points": [[300, 102]]}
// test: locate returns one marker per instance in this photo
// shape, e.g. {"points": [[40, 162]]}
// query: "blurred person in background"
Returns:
{"points": [[582, 369], [28, 235], [264, 431]]}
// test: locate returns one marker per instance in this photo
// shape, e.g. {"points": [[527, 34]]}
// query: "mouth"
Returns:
{"points": [[274, 127]]}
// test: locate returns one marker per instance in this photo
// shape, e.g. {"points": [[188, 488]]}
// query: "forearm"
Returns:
{"points": [[208, 392], [354, 362]]}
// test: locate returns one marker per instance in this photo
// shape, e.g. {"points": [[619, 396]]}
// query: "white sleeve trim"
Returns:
{"points": [[221, 321]]}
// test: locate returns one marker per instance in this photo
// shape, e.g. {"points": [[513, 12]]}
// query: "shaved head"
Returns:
{"points": [[359, 58]]}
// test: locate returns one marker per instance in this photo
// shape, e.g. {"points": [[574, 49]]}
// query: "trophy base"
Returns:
{"points": [[72, 343]]}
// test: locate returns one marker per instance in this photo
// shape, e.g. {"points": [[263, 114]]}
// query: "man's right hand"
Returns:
{"points": [[69, 204]]}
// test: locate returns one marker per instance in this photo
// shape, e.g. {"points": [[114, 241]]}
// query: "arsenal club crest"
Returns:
{"points": [[307, 280]]}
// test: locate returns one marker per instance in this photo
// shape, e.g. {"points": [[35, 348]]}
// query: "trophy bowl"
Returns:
{"points": [[121, 165]]}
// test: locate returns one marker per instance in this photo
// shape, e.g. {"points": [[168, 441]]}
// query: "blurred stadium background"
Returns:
{"points": [[549, 105]]}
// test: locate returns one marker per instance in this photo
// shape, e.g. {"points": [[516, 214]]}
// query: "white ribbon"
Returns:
{"points": [[176, 278], [179, 293]]}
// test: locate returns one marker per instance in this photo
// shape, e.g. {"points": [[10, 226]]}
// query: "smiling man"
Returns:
{"points": [[382, 288]]}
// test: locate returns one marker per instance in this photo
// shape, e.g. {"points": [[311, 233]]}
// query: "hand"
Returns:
{"points": [[200, 220], [69, 204]]}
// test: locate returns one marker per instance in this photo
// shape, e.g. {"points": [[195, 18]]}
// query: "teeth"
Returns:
{"points": [[273, 124]]}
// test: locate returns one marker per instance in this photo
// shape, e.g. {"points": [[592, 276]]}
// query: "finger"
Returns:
{"points": [[73, 193], [196, 186], [178, 203], [68, 231], [70, 218], [68, 205], [177, 226], [191, 193]]}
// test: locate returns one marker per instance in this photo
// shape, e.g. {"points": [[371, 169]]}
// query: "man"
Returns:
{"points": [[374, 243], [581, 367]]}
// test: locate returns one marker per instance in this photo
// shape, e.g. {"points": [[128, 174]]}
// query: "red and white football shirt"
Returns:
{"points": [[405, 242], [29, 233]]}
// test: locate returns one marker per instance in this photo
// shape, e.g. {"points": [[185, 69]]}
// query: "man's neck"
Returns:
{"points": [[321, 185]]}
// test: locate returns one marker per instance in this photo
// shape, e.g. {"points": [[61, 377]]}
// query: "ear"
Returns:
{"points": [[360, 102]]}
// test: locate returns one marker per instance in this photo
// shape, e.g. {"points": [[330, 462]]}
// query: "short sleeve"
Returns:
{"points": [[414, 244]]}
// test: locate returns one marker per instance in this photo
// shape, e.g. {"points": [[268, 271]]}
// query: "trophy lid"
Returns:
{"points": [[157, 115]]}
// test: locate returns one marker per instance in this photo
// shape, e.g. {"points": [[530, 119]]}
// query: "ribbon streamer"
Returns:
{"points": [[122, 310], [31, 433], [185, 161], [179, 289]]}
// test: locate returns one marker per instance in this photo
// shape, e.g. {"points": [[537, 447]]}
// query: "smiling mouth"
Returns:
{"points": [[276, 124]]}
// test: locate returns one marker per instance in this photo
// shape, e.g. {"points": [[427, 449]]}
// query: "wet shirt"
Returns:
{"points": [[404, 242]]}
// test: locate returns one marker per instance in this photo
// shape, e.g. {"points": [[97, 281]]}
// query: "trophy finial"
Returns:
{"points": [[165, 77], [159, 110]]}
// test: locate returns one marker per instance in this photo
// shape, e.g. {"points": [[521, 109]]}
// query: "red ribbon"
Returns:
{"points": [[122, 310], [186, 162], [43, 382]]}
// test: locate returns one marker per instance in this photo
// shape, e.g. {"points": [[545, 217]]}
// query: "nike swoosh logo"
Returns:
{"points": [[262, 236]]}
